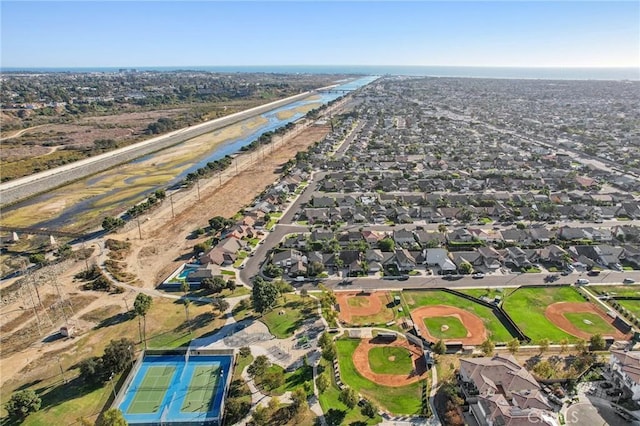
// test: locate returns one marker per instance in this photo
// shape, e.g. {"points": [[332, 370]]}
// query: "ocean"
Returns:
{"points": [[434, 71]]}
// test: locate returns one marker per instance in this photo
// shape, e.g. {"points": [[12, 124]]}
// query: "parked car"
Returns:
{"points": [[551, 278], [565, 272], [628, 281], [606, 385], [582, 281], [593, 273], [477, 275], [614, 392]]}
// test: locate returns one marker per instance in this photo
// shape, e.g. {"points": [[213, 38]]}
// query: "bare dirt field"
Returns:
{"points": [[361, 305], [476, 332], [361, 362], [556, 314]]}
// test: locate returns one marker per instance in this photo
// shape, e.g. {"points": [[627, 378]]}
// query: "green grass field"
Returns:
{"points": [[597, 326], [498, 332], [632, 306], [617, 290], [456, 329], [400, 400], [152, 389], [526, 307], [479, 292], [286, 317], [390, 360], [202, 387], [333, 408]]}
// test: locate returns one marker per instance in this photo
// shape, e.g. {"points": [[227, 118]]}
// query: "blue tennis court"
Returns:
{"points": [[176, 389]]}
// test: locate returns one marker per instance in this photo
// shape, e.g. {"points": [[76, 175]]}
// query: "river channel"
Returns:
{"points": [[82, 203]]}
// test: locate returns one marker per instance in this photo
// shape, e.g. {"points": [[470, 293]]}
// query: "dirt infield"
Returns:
{"points": [[361, 362], [555, 313], [372, 304], [476, 332]]}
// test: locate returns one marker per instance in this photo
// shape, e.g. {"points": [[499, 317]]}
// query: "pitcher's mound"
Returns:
{"points": [[444, 327]]}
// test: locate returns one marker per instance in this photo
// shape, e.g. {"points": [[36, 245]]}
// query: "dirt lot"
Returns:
{"points": [[161, 250]]}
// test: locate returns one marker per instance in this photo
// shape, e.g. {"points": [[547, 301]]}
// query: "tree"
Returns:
{"points": [[466, 268], [348, 397], [184, 287], [544, 345], [92, 370], [322, 382], [110, 223], [235, 409], [272, 270], [386, 244], [111, 417], [597, 342], [264, 295], [37, 258], [220, 304], [487, 347], [299, 399], [273, 379], [564, 345], [513, 345], [231, 285], [141, 307], [368, 409], [439, 347], [442, 228], [215, 284], [581, 346], [329, 352], [117, 356], [245, 351], [22, 403], [259, 366]]}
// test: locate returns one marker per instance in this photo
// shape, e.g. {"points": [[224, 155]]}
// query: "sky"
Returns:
{"points": [[216, 33]]}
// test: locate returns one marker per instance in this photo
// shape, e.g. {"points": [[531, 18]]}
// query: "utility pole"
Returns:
{"points": [[198, 186], [173, 214], [61, 371], [139, 230]]}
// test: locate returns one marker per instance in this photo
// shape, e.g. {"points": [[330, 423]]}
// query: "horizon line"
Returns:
{"points": [[332, 65]]}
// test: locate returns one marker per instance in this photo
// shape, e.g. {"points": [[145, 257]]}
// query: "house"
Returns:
{"points": [[372, 237], [553, 254], [501, 392], [224, 253], [491, 258], [430, 239], [439, 257], [403, 237], [404, 260], [286, 258], [625, 371], [517, 257], [472, 257]]}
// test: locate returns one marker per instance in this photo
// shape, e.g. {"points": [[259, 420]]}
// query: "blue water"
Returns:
{"points": [[177, 390], [630, 73], [186, 271]]}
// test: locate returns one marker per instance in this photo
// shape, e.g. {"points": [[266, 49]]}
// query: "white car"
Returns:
{"points": [[477, 275]]}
